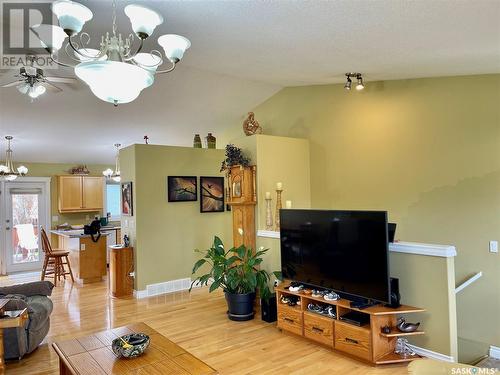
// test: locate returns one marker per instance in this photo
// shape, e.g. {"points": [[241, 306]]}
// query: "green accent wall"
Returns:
{"points": [[164, 235], [426, 150]]}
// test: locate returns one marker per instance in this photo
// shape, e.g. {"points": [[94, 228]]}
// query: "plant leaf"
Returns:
{"points": [[215, 285], [198, 264]]}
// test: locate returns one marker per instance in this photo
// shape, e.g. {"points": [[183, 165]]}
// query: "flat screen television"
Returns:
{"points": [[346, 251]]}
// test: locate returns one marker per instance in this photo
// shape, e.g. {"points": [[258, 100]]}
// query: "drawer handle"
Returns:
{"points": [[317, 329], [351, 340], [288, 320]]}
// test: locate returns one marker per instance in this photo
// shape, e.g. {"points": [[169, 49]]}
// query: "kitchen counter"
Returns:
{"points": [[75, 233], [87, 258]]}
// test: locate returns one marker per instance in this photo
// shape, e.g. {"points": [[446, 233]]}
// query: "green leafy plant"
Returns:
{"points": [[235, 270], [234, 156]]}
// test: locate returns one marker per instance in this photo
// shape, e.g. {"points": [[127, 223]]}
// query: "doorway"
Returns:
{"points": [[26, 209]]}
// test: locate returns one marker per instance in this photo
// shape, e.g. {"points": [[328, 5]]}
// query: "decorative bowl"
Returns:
{"points": [[139, 342]]}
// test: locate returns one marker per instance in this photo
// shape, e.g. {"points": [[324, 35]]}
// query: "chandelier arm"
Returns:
{"points": [[167, 70], [71, 55], [75, 48], [129, 57], [60, 63]]}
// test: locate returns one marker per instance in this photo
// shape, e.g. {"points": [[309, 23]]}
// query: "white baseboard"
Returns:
{"points": [[495, 352], [430, 354], [164, 287]]}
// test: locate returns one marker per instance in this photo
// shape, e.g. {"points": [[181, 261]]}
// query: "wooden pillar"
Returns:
{"points": [[242, 199]]}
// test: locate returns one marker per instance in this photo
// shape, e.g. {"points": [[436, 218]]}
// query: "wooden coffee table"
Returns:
{"points": [[12, 318], [93, 355]]}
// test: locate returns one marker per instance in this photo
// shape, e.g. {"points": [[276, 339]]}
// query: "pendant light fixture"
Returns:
{"points": [[359, 84], [118, 71], [109, 173], [7, 171]]}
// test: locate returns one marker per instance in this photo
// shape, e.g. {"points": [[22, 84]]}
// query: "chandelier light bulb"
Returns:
{"points": [[143, 19], [22, 170], [360, 85], [348, 84], [71, 15], [51, 37], [174, 46], [10, 177], [108, 172], [4, 169], [117, 179]]}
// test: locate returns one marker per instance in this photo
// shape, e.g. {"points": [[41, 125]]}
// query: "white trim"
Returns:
{"points": [[445, 251], [430, 354], [164, 287], [268, 234], [495, 352], [469, 281]]}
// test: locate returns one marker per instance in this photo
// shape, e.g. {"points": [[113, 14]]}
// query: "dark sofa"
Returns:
{"points": [[34, 296]]}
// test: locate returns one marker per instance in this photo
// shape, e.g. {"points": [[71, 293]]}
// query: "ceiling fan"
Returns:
{"points": [[33, 82]]}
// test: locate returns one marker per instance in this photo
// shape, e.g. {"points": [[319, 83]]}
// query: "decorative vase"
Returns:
{"points": [[197, 141], [211, 140]]}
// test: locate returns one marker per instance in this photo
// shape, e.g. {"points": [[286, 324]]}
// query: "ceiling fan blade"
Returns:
{"points": [[61, 79], [52, 87], [14, 83]]}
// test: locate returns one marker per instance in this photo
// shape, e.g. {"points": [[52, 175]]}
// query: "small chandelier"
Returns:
{"points": [[359, 85], [117, 72], [109, 173], [7, 171]]}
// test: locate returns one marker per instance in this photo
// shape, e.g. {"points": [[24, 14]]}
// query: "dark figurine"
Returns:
{"points": [[386, 329], [406, 327]]}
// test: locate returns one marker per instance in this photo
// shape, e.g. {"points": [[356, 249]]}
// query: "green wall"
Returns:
{"points": [[165, 234], [52, 170], [426, 150]]}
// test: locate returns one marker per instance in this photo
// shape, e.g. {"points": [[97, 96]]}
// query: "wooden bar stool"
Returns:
{"points": [[54, 261]]}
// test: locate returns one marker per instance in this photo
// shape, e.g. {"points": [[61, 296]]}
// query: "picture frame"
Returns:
{"points": [[127, 200], [182, 189], [211, 194]]}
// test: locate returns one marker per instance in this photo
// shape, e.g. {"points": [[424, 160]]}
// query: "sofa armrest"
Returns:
{"points": [[37, 288], [16, 302]]}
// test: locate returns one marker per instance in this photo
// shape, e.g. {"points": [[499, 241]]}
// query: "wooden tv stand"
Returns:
{"points": [[367, 342]]}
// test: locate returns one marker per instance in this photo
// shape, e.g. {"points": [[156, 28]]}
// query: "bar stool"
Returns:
{"points": [[54, 261]]}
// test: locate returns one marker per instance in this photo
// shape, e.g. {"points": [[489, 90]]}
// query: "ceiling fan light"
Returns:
{"points": [[348, 84], [22, 170], [360, 85], [23, 88], [51, 37], [71, 15], [114, 82], [35, 91], [143, 19], [174, 46]]}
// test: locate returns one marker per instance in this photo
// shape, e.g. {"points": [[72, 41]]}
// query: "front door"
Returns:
{"points": [[25, 215]]}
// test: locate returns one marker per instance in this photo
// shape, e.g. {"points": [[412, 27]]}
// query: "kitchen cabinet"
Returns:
{"points": [[80, 193]]}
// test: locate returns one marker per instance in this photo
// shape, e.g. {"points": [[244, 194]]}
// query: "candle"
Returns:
{"points": [[268, 195], [279, 186], [288, 204]]}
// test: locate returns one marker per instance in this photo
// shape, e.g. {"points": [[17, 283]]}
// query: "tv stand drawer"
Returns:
{"points": [[353, 340], [318, 328], [290, 319]]}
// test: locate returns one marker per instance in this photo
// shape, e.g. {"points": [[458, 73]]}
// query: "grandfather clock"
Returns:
{"points": [[242, 197]]}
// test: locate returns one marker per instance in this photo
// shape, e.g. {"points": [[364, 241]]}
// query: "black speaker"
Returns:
{"points": [[395, 296], [268, 309]]}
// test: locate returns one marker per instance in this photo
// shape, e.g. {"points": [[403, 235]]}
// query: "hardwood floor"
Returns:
{"points": [[195, 321]]}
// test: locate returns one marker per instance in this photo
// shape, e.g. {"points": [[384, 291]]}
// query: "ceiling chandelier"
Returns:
{"points": [[117, 72], [359, 85], [7, 171], [109, 173]]}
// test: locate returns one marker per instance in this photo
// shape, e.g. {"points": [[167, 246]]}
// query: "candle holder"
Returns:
{"points": [[269, 215], [278, 208]]}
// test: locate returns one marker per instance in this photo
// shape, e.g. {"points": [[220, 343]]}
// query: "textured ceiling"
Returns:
{"points": [[243, 52]]}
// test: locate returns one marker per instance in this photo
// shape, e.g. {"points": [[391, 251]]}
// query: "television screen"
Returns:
{"points": [[346, 251]]}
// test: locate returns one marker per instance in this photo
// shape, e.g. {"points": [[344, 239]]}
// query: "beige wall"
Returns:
{"points": [[426, 150], [166, 234], [52, 170]]}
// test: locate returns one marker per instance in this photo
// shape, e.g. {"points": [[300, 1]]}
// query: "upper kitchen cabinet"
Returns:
{"points": [[80, 193]]}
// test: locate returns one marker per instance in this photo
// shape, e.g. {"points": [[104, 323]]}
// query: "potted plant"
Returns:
{"points": [[236, 272]]}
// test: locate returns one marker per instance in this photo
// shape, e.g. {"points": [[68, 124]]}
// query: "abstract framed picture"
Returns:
{"points": [[211, 194], [127, 199], [182, 189]]}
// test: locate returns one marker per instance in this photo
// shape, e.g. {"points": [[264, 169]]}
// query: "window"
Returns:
{"points": [[113, 201]]}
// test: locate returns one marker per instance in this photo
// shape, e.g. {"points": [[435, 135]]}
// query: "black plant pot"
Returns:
{"points": [[240, 306]]}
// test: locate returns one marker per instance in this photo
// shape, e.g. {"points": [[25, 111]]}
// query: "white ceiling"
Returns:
{"points": [[242, 53]]}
